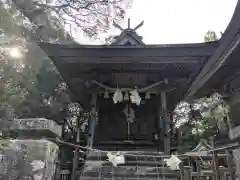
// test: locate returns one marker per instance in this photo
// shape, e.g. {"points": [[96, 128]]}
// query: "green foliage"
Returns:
{"points": [[3, 144], [210, 36], [189, 141], [205, 121], [13, 88]]}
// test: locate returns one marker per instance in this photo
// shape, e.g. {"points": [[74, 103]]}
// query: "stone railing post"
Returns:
{"points": [[35, 156]]}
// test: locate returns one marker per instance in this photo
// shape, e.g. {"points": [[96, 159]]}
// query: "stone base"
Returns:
{"points": [[34, 159]]}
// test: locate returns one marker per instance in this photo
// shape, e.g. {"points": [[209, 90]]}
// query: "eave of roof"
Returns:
{"points": [[228, 43], [96, 51], [74, 45]]}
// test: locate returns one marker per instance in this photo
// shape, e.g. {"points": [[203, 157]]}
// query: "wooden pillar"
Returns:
{"points": [[63, 128], [179, 139], [234, 127], [187, 173], [76, 152], [182, 171], [233, 115], [57, 171], [215, 165], [166, 119], [231, 170], [198, 168], [92, 120]]}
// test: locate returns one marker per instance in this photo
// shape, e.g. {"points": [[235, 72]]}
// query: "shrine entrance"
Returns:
{"points": [[124, 123]]}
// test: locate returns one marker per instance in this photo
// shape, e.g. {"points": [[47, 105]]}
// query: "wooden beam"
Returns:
{"points": [[153, 91], [141, 90], [128, 60]]}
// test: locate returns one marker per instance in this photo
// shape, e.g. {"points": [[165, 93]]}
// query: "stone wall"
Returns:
{"points": [[31, 156]]}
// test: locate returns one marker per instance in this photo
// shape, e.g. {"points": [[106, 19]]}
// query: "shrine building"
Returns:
{"points": [[156, 76], [132, 88]]}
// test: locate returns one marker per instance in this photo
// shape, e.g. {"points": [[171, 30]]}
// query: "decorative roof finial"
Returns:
{"points": [[138, 26], [117, 26], [129, 25]]}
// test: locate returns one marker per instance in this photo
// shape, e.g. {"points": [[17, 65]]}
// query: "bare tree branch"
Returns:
{"points": [[91, 16]]}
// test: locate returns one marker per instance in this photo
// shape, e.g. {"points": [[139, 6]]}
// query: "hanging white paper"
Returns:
{"points": [[116, 159], [118, 96], [135, 98], [173, 162]]}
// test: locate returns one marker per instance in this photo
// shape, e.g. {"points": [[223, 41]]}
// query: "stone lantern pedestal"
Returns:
{"points": [[32, 154]]}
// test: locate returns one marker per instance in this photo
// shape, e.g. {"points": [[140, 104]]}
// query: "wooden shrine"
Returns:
{"points": [[159, 74], [132, 89]]}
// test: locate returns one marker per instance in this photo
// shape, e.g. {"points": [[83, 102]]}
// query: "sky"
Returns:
{"points": [[176, 21]]}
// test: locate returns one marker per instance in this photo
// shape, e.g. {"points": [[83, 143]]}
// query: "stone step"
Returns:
{"points": [[135, 142], [138, 165], [128, 172], [132, 163], [126, 148], [129, 153], [130, 156], [115, 145], [107, 167], [125, 178]]}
